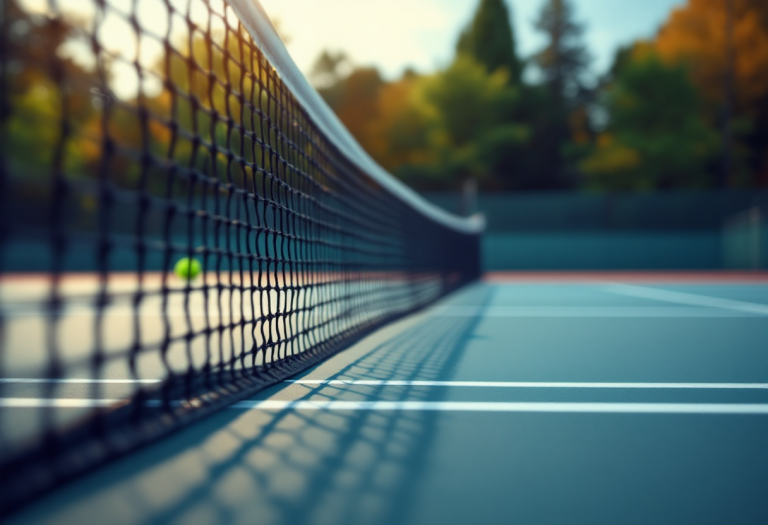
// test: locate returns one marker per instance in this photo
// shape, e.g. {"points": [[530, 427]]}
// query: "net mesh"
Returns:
{"points": [[136, 133]]}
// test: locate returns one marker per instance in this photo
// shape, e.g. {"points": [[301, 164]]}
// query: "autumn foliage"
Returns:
{"points": [[687, 108]]}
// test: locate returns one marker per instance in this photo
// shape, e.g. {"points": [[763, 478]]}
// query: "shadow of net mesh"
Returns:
{"points": [[138, 133]]}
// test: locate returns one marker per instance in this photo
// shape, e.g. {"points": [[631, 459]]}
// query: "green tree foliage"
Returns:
{"points": [[399, 137], [490, 41], [662, 106], [354, 98], [564, 59], [468, 115], [656, 137], [560, 98], [436, 131], [41, 96]]}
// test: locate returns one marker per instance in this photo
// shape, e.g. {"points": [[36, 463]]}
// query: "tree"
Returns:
{"points": [[656, 137], [399, 135], [353, 99], [562, 97], [725, 44], [564, 59], [467, 117], [489, 39], [697, 34], [45, 93]]}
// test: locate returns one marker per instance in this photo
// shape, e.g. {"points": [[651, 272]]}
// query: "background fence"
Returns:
{"points": [[702, 230], [690, 230]]}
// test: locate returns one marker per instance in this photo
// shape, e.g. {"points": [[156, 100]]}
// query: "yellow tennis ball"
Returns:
{"points": [[188, 268]]}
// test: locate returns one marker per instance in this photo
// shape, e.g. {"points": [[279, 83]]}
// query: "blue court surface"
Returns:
{"points": [[507, 402]]}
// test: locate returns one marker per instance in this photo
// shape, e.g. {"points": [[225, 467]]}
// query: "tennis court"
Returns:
{"points": [[570, 399]]}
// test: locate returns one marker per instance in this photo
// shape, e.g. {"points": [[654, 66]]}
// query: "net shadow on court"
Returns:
{"points": [[295, 466]]}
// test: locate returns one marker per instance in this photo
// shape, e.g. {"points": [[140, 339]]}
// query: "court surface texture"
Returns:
{"points": [[576, 400]]}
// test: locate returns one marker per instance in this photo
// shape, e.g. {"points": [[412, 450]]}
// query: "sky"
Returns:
{"points": [[391, 34], [395, 34]]}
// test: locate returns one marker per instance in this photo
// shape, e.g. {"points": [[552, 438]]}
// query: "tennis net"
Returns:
{"points": [[134, 134]]}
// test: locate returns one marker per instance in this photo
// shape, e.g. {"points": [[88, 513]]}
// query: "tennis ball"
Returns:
{"points": [[188, 268]]}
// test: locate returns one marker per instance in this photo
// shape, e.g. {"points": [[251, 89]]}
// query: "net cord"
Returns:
{"points": [[256, 21]]}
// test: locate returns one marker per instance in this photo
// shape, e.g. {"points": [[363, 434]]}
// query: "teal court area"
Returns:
{"points": [[579, 402]]}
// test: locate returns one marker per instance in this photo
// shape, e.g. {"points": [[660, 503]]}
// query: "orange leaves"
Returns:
{"points": [[697, 34], [397, 136], [612, 158], [357, 104]]}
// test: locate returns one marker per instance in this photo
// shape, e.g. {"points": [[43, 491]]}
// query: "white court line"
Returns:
{"points": [[77, 381], [443, 406], [525, 384], [38, 310], [389, 382], [587, 311], [686, 298], [470, 406], [35, 402]]}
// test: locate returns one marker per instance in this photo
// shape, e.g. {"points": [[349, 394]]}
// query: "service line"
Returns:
{"points": [[394, 382], [442, 406], [524, 384]]}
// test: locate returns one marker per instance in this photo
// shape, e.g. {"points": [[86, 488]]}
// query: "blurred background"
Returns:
{"points": [[593, 134]]}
